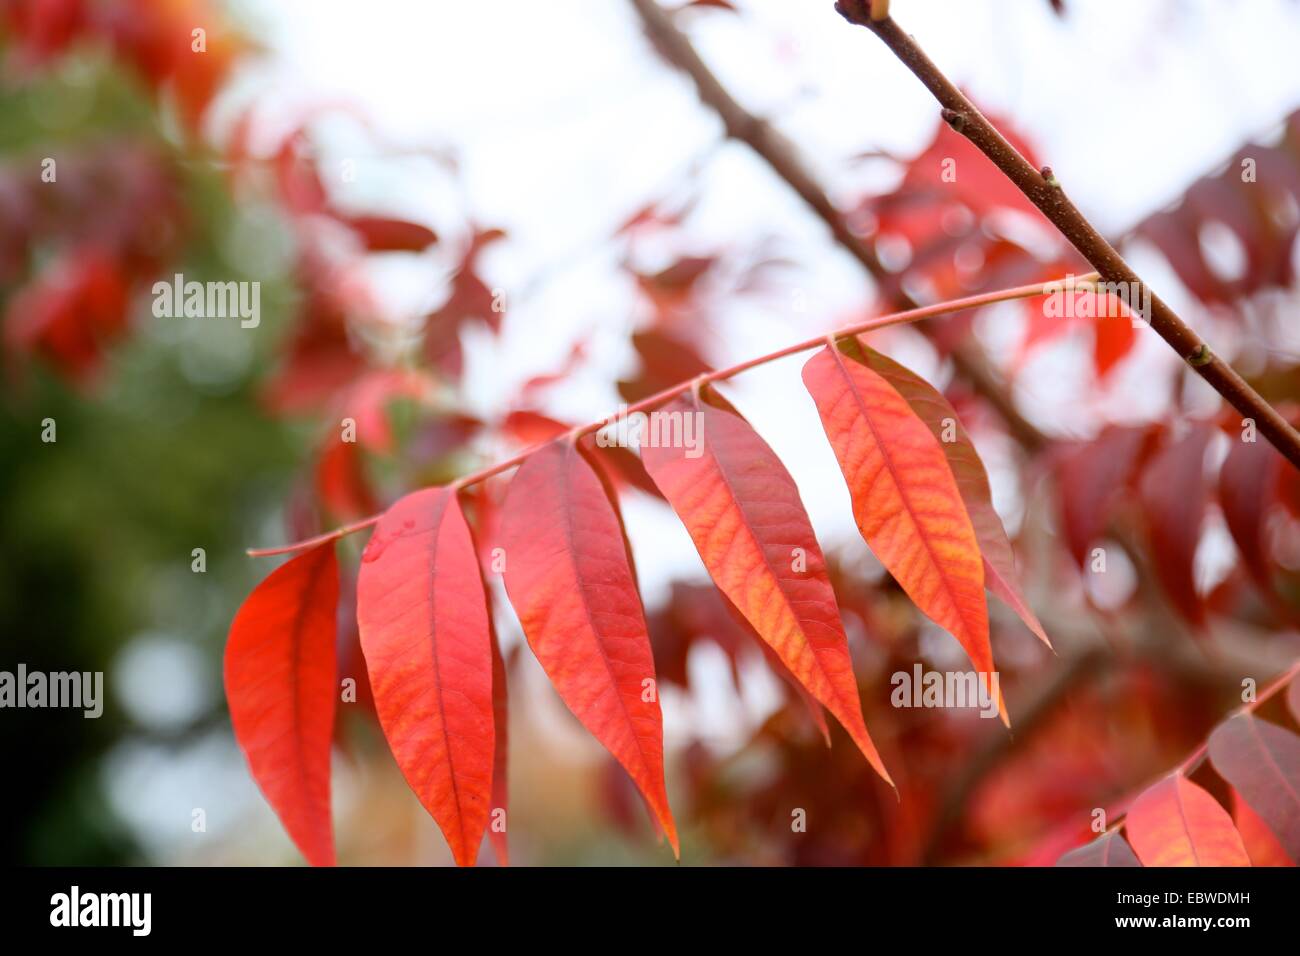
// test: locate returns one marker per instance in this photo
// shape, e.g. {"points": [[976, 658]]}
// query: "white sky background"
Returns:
{"points": [[564, 122]]}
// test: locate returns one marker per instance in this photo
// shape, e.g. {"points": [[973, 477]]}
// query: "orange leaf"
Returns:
{"points": [[425, 634], [1261, 845], [905, 499], [569, 576], [1262, 761], [743, 512], [937, 412], [1176, 823], [280, 671]]}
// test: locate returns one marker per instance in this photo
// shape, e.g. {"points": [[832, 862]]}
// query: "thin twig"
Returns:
{"points": [[717, 375], [1044, 191]]}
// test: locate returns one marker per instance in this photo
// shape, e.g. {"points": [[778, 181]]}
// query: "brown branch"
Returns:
{"points": [[1045, 192], [784, 159]]}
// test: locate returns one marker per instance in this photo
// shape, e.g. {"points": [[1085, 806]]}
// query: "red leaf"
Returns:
{"points": [[301, 189], [666, 359], [368, 399], [1090, 477], [532, 428], [280, 674], [1114, 336], [1248, 483], [425, 634], [617, 463], [1109, 849], [673, 288], [70, 312], [1176, 823], [1262, 761], [811, 704], [620, 466], [979, 184], [45, 29], [937, 412], [340, 481], [742, 510], [391, 235], [905, 499], [469, 299], [1261, 845], [569, 576], [1174, 498]]}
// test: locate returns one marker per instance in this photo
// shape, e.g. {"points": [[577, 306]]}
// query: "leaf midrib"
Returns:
{"points": [[902, 493]]}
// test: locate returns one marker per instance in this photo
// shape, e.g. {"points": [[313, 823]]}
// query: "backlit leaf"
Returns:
{"points": [[1176, 823], [905, 498], [937, 412], [569, 576], [1261, 845], [743, 512], [280, 671], [425, 634], [1262, 761]]}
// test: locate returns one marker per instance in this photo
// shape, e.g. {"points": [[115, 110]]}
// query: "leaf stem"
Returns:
{"points": [[646, 404]]}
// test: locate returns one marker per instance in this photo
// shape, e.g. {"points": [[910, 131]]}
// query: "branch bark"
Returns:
{"points": [[784, 159], [1044, 191]]}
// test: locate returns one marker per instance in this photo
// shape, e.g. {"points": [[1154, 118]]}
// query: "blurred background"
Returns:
{"points": [[476, 223]]}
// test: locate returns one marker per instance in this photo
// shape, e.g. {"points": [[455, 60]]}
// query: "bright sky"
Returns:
{"points": [[564, 122]]}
